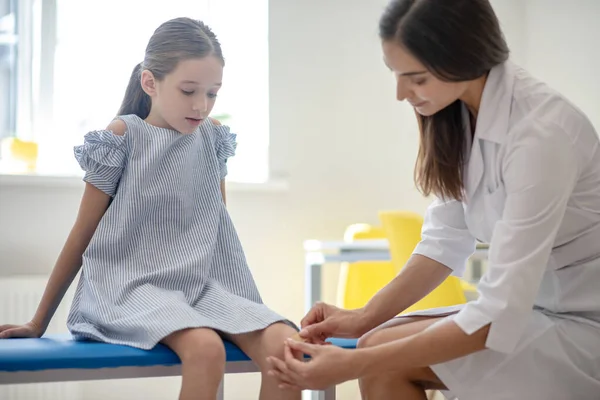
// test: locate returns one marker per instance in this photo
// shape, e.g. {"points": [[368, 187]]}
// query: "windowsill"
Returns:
{"points": [[35, 180]]}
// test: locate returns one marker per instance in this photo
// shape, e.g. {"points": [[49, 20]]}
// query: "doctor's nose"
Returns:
{"points": [[402, 92]]}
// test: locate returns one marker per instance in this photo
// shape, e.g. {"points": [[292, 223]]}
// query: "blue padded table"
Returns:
{"points": [[56, 358]]}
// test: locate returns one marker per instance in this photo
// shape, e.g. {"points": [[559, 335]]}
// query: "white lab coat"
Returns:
{"points": [[532, 192]]}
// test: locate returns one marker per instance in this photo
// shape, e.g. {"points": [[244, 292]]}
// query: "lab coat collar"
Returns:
{"points": [[496, 100], [492, 122]]}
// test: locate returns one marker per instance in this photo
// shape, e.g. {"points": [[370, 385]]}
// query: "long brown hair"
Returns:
{"points": [[456, 41], [174, 41]]}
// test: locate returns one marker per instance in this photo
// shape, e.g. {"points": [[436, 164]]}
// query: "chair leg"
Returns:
{"points": [[221, 391]]}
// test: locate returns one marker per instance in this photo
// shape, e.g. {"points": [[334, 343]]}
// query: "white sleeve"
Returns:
{"points": [[445, 237], [539, 171]]}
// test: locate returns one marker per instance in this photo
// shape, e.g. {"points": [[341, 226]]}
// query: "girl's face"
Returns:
{"points": [[186, 96], [414, 83]]}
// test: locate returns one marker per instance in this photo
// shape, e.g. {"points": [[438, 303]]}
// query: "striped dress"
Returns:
{"points": [[165, 255]]}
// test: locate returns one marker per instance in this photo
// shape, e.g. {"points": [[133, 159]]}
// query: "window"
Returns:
{"points": [[8, 66], [82, 54]]}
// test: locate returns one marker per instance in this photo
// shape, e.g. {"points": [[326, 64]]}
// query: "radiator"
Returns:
{"points": [[19, 298]]}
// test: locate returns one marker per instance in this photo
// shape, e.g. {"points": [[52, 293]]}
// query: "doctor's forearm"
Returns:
{"points": [[443, 342], [419, 277]]}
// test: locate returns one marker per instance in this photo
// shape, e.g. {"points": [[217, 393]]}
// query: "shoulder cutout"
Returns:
{"points": [[117, 127]]}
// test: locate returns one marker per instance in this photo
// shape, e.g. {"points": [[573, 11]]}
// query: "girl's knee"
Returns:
{"points": [[274, 337], [197, 346], [268, 342]]}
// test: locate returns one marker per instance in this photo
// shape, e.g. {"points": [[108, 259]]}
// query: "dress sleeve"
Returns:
{"points": [[225, 146], [102, 156]]}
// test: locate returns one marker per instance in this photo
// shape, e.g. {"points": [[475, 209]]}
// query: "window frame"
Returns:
{"points": [[9, 43], [35, 85]]}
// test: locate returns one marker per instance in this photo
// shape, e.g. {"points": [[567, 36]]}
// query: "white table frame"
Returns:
{"points": [[318, 253]]}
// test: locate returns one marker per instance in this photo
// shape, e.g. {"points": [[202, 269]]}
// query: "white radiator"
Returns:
{"points": [[19, 298]]}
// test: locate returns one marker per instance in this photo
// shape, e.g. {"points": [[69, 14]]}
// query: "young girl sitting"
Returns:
{"points": [[161, 258]]}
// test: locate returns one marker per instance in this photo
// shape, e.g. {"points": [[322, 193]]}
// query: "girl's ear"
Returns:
{"points": [[148, 83]]}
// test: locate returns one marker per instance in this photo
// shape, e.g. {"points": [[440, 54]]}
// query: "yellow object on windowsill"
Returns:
{"points": [[18, 156]]}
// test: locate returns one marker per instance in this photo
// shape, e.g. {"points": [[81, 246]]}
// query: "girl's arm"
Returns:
{"points": [[223, 193], [93, 205]]}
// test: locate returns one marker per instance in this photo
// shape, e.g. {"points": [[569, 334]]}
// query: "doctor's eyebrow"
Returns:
{"points": [[410, 73]]}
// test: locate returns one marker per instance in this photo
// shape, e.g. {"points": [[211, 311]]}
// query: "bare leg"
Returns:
{"points": [[202, 357], [262, 344], [405, 385]]}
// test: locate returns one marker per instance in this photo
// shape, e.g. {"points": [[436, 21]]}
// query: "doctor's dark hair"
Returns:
{"points": [[176, 40], [456, 41]]}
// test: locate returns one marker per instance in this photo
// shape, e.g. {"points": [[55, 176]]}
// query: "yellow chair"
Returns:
{"points": [[403, 230], [360, 281]]}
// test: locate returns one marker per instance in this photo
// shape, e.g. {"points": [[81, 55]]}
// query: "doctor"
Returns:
{"points": [[511, 163]]}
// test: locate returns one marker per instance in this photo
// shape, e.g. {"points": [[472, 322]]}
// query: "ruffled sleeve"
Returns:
{"points": [[225, 145], [102, 156]]}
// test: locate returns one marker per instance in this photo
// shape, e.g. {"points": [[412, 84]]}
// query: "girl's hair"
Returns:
{"points": [[456, 40], [174, 41]]}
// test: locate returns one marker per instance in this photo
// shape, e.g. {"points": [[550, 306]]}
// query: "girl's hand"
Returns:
{"points": [[28, 330]]}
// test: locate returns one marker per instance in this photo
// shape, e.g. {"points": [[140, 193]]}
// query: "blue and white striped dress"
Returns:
{"points": [[165, 255]]}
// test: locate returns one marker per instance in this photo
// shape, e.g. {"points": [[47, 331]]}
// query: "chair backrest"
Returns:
{"points": [[403, 230], [360, 281]]}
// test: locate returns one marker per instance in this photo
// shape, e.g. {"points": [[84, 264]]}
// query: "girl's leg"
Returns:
{"points": [[262, 344], [202, 357]]}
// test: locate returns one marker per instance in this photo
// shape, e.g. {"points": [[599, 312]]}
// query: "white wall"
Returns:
{"points": [[561, 41], [346, 147]]}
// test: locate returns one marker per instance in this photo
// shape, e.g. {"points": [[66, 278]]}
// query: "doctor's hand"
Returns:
{"points": [[324, 321], [327, 366]]}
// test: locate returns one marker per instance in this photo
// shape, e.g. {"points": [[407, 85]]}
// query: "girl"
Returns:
{"points": [[514, 164], [161, 259]]}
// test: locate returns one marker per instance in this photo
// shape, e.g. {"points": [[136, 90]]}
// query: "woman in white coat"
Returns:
{"points": [[511, 163]]}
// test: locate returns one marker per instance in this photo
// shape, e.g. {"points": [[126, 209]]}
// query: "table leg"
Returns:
{"points": [[327, 394], [312, 294], [476, 270], [312, 282]]}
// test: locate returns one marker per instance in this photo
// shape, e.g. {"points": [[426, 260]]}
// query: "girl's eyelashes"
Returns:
{"points": [[191, 92]]}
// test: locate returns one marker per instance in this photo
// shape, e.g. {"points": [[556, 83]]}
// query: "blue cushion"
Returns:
{"points": [[344, 343], [61, 351]]}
